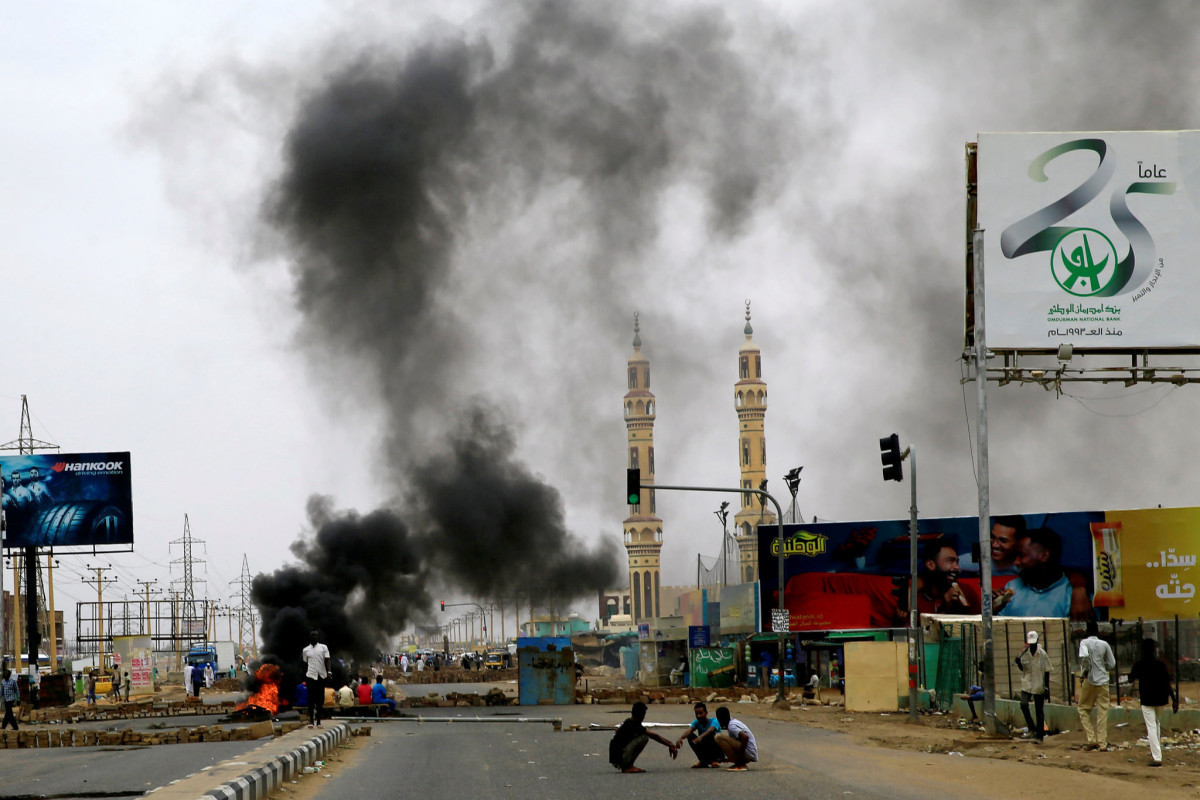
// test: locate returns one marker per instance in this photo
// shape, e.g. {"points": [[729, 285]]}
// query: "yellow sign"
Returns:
{"points": [[1154, 563]]}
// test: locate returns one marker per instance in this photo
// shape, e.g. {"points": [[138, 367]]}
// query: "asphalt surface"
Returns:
{"points": [[85, 772], [530, 760]]}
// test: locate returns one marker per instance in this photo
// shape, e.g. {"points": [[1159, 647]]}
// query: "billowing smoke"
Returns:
{"points": [[389, 161]]}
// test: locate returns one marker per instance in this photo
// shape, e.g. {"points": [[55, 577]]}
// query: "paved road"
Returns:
{"points": [[84, 772], [530, 760]]}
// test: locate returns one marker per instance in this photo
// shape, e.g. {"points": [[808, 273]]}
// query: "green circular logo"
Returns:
{"points": [[1084, 262]]}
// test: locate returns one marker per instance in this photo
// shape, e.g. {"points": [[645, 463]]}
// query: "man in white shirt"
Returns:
{"points": [[736, 741], [1095, 659], [316, 661], [187, 679]]}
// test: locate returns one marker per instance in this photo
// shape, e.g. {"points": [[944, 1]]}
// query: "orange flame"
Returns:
{"points": [[267, 696]]}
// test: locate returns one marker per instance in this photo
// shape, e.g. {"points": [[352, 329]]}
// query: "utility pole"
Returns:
{"points": [[100, 581], [146, 585]]}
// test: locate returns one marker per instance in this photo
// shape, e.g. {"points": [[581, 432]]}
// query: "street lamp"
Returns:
{"points": [[792, 479], [723, 514]]}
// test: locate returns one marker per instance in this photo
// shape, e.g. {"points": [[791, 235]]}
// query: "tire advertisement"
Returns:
{"points": [[67, 500]]}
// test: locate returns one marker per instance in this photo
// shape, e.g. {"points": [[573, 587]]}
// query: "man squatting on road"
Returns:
{"points": [[702, 737], [736, 741], [631, 738]]}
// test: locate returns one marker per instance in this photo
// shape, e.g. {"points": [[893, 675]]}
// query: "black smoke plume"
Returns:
{"points": [[389, 159]]}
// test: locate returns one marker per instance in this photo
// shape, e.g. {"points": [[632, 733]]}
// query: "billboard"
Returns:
{"points": [[67, 500], [1089, 239], [1078, 564], [134, 655]]}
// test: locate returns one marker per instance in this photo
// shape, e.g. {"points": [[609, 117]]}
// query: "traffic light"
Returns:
{"points": [[443, 605], [890, 447], [633, 486]]}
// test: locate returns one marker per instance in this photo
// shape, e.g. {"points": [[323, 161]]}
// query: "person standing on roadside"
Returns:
{"points": [[10, 693], [317, 666], [1095, 660], [1154, 689], [1035, 683]]}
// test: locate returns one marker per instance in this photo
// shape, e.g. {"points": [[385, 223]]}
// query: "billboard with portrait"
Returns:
{"points": [[855, 575], [67, 500], [1078, 564], [1089, 237]]}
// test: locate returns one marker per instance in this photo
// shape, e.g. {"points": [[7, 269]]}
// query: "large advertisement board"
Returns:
{"points": [[1089, 239], [67, 500], [1081, 565]]}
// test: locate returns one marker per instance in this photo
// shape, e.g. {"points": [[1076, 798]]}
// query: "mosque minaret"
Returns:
{"points": [[750, 400], [643, 528]]}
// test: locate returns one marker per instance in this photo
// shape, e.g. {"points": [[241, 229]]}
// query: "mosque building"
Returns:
{"points": [[643, 528]]}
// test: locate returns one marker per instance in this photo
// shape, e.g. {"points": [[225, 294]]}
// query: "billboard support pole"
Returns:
{"points": [[914, 615], [32, 634], [985, 528]]}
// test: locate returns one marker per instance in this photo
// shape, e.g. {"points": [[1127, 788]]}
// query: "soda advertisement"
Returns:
{"points": [[1089, 238], [67, 500], [1079, 564]]}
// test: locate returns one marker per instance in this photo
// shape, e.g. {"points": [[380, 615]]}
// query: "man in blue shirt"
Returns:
{"points": [[379, 694], [702, 736], [10, 693], [1042, 589]]}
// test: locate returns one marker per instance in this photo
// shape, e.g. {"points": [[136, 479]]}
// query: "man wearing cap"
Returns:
{"points": [[1035, 683]]}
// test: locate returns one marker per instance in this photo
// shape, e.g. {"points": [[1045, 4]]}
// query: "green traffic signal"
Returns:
{"points": [[633, 486]]}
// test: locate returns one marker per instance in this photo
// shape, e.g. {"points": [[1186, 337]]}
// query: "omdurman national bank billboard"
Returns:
{"points": [[67, 500], [1090, 239]]}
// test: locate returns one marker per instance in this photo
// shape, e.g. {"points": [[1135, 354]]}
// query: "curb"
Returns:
{"points": [[264, 779]]}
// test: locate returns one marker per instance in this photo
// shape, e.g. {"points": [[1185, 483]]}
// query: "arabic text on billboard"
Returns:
{"points": [[1081, 564], [67, 500], [1089, 238]]}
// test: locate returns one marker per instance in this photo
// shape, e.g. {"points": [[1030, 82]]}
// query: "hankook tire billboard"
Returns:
{"points": [[67, 500]]}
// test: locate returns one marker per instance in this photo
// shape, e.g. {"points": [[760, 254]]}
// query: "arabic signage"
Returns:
{"points": [[66, 500], [1089, 237], [1079, 564], [698, 636]]}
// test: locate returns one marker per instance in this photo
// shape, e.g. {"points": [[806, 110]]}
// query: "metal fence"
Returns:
{"points": [[960, 652]]}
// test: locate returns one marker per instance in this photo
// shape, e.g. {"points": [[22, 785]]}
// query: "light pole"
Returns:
{"points": [[723, 514], [792, 479]]}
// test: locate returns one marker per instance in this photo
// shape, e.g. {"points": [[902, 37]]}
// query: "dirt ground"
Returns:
{"points": [[1127, 760]]}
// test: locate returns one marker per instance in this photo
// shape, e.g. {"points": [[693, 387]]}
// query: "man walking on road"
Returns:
{"points": [[10, 693], [316, 660], [1095, 660]]}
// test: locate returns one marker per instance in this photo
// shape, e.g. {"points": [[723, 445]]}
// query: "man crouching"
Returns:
{"points": [[631, 738]]}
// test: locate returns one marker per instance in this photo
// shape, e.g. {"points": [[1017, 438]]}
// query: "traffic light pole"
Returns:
{"points": [[762, 493]]}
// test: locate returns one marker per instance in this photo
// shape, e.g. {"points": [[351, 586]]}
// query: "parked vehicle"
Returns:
{"points": [[498, 659]]}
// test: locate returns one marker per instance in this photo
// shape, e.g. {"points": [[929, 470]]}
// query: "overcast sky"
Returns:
{"points": [[805, 156]]}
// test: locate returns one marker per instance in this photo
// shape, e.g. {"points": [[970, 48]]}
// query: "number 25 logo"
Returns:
{"points": [[1084, 261]]}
